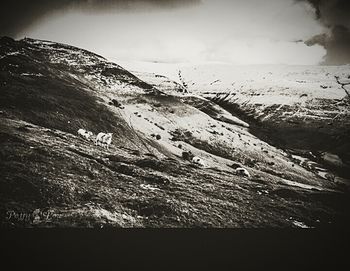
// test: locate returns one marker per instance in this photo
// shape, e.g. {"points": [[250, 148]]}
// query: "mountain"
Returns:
{"points": [[300, 108], [52, 177]]}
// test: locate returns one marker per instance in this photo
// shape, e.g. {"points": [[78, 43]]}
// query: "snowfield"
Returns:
{"points": [[260, 86]]}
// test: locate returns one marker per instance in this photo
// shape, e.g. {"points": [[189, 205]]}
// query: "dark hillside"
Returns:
{"points": [[35, 90]]}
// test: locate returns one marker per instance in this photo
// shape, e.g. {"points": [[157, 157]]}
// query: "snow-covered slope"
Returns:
{"points": [[300, 107], [280, 92], [261, 87]]}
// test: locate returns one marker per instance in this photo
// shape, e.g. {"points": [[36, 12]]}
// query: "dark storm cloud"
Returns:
{"points": [[15, 15], [337, 44], [334, 15]]}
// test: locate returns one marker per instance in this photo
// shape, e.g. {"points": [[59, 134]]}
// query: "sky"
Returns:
{"points": [[193, 31]]}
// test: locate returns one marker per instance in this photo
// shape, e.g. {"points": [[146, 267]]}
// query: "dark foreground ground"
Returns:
{"points": [[51, 178]]}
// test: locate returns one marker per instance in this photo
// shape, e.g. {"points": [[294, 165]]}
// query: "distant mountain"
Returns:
{"points": [[51, 176]]}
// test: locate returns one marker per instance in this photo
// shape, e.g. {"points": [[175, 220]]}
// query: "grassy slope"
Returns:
{"points": [[81, 185], [45, 166]]}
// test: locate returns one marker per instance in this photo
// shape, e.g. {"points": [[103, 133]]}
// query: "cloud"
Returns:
{"points": [[334, 16], [16, 15], [234, 31]]}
